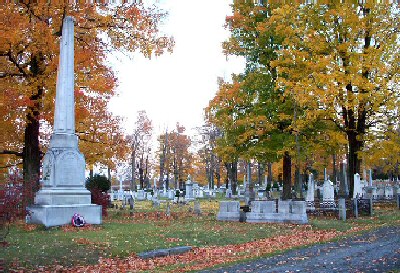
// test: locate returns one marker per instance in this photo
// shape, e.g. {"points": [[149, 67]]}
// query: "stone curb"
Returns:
{"points": [[164, 252]]}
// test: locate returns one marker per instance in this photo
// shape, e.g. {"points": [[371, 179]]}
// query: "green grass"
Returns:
{"points": [[121, 236]]}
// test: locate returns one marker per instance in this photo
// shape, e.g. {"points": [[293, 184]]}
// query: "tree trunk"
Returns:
{"points": [[161, 179], [176, 174], [355, 146], [31, 151], [260, 173], [141, 180], [31, 154], [218, 172], [298, 181], [146, 168], [334, 169], [212, 162], [231, 169], [133, 183], [91, 171], [269, 164], [287, 176]]}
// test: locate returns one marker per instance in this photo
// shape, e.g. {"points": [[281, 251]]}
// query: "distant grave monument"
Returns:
{"points": [[310, 192], [63, 192]]}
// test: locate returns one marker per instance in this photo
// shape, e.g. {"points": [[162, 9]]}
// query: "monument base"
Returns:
{"points": [[57, 215], [292, 218], [228, 216]]}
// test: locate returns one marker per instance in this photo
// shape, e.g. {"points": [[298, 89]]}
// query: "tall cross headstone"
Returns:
{"points": [[63, 192]]}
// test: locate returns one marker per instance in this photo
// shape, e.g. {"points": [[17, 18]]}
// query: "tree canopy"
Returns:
{"points": [[29, 53], [320, 78]]}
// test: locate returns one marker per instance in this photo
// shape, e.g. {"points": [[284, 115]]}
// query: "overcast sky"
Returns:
{"points": [[177, 87]]}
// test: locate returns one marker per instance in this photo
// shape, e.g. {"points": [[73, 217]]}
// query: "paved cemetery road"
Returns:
{"points": [[376, 251]]}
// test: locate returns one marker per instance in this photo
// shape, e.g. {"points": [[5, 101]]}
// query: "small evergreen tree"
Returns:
{"points": [[99, 182]]}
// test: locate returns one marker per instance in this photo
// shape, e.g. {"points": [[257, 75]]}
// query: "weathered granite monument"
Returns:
{"points": [[63, 192]]}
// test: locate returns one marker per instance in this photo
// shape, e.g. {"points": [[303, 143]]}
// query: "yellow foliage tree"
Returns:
{"points": [[341, 62]]}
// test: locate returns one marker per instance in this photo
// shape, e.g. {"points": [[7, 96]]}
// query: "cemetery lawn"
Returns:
{"points": [[123, 235]]}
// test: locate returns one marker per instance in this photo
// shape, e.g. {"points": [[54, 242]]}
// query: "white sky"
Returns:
{"points": [[177, 87]]}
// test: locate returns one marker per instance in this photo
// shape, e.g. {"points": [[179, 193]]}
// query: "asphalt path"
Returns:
{"points": [[375, 251]]}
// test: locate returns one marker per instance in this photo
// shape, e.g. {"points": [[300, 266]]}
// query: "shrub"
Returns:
{"points": [[98, 186], [99, 182], [100, 198]]}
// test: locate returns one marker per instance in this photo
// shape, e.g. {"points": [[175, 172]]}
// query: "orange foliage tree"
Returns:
{"points": [[29, 53]]}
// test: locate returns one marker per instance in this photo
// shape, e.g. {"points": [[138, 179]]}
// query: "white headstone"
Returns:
{"points": [[357, 193], [328, 191], [310, 189], [189, 189]]}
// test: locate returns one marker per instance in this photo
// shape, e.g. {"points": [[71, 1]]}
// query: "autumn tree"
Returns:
{"points": [[177, 158], [29, 53], [141, 144], [256, 119], [212, 162], [341, 62]]}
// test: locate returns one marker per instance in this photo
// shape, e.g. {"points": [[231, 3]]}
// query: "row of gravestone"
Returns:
{"points": [[287, 211], [171, 194], [361, 190]]}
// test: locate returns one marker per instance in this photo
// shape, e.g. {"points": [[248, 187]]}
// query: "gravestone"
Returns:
{"points": [[171, 194], [63, 193], [229, 211], [357, 193], [189, 189], [328, 194], [380, 192], [261, 212], [140, 195], [228, 193], [389, 194], [200, 193], [197, 209], [310, 193], [131, 203], [168, 210], [261, 194], [288, 212], [155, 202], [298, 212], [342, 209]]}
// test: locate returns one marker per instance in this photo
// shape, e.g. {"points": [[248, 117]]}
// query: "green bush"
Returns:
{"points": [[99, 182]]}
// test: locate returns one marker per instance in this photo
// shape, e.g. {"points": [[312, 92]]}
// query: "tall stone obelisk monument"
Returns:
{"points": [[63, 192]]}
